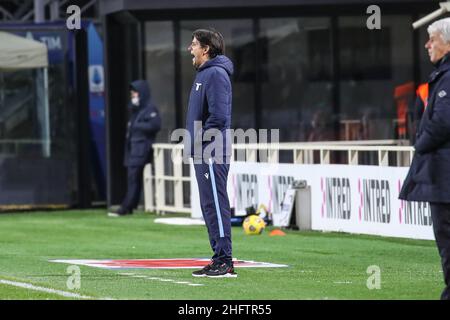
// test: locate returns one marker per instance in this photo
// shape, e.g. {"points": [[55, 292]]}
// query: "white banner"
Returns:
{"points": [[355, 199]]}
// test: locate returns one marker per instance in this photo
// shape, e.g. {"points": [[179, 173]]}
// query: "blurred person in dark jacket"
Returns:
{"points": [[143, 125], [428, 178]]}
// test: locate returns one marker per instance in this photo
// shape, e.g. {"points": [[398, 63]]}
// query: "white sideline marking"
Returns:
{"points": [[160, 279], [181, 221], [342, 282], [48, 290]]}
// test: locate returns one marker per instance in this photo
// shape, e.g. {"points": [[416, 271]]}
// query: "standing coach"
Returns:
{"points": [[209, 111], [428, 178]]}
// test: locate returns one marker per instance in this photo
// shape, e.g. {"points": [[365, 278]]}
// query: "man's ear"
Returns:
{"points": [[206, 50]]}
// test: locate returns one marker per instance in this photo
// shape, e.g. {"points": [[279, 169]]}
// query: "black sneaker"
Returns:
{"points": [[223, 270], [119, 213], [202, 272]]}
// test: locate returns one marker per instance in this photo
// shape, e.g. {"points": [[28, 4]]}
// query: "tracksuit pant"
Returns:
{"points": [[212, 186], [134, 187], [440, 214]]}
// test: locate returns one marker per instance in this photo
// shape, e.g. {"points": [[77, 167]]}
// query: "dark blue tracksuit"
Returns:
{"points": [[428, 178], [210, 103], [143, 125]]}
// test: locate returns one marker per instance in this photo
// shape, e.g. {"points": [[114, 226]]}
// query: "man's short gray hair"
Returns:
{"points": [[443, 27]]}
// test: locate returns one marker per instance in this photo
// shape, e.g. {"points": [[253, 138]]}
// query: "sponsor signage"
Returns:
{"points": [[344, 198]]}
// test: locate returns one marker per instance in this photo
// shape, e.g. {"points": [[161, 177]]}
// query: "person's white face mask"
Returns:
{"points": [[135, 101]]}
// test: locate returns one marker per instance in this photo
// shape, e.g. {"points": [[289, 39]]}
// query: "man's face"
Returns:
{"points": [[134, 94], [199, 54], [134, 98], [436, 47]]}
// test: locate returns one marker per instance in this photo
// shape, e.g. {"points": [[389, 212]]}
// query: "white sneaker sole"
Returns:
{"points": [[227, 275], [199, 275], [114, 215]]}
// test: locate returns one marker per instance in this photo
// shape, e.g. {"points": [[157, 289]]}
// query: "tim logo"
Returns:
{"points": [[197, 86]]}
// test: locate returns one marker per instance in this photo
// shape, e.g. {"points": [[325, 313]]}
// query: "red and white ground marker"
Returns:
{"points": [[186, 263]]}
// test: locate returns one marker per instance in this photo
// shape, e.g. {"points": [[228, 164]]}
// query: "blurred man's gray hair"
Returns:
{"points": [[441, 26]]}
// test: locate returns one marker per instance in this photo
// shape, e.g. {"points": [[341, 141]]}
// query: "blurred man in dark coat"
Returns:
{"points": [[428, 178], [143, 125]]}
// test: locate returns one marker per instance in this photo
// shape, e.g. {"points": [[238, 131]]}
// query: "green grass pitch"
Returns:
{"points": [[321, 265]]}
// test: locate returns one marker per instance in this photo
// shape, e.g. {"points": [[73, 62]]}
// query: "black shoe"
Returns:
{"points": [[202, 272], [223, 270], [119, 213]]}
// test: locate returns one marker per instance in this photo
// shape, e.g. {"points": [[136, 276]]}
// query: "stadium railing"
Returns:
{"points": [[168, 190]]}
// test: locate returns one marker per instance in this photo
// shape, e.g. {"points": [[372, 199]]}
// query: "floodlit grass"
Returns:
{"points": [[321, 265]]}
